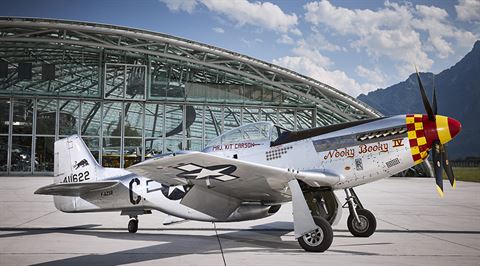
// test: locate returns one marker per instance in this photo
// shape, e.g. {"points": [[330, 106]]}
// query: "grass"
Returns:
{"points": [[471, 174]]}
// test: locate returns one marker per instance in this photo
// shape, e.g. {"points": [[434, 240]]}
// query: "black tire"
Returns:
{"points": [[133, 226], [319, 240], [368, 226]]}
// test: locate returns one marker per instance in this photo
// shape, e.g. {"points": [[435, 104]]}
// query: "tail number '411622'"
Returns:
{"points": [[77, 177]]}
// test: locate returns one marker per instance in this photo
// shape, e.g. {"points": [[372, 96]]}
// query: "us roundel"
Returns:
{"points": [[174, 192]]}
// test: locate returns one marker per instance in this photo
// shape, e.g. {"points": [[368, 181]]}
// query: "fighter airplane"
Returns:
{"points": [[249, 172]]}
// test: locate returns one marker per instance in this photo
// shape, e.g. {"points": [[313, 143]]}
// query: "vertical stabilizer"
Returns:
{"points": [[73, 161]]}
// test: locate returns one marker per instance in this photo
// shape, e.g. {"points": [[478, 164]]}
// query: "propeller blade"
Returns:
{"points": [[434, 103], [448, 167], [426, 103], [437, 166]]}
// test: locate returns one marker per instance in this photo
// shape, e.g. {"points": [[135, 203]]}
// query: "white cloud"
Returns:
{"points": [[440, 31], [394, 31], [468, 10], [285, 39], [251, 43], [335, 78], [181, 5], [374, 76], [265, 15], [218, 30]]}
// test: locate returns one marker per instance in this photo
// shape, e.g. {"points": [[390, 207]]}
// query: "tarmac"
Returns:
{"points": [[414, 227]]}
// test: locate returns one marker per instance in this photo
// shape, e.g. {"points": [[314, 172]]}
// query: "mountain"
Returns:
{"points": [[458, 95]]}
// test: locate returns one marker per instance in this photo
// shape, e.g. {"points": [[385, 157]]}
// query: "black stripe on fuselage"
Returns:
{"points": [[291, 136]]}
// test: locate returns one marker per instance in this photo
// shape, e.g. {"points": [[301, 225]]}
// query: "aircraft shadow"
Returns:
{"points": [[265, 238]]}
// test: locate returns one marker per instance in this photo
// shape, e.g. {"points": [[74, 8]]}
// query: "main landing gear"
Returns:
{"points": [[133, 224], [360, 222], [318, 240]]}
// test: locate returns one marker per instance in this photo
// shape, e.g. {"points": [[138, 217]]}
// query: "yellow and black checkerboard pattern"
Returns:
{"points": [[416, 137]]}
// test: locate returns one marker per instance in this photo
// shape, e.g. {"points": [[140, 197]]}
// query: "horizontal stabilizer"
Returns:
{"points": [[75, 189]]}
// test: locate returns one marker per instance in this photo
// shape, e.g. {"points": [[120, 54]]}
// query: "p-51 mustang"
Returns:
{"points": [[249, 172]]}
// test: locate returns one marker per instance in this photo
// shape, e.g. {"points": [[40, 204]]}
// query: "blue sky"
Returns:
{"points": [[355, 46]]}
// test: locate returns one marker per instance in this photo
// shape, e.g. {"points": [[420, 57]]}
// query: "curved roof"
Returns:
{"points": [[338, 106]]}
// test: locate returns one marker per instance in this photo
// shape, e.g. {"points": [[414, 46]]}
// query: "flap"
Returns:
{"points": [[75, 189], [215, 204]]}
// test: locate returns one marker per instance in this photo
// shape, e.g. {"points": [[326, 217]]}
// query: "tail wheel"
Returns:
{"points": [[363, 228], [133, 226], [318, 240]]}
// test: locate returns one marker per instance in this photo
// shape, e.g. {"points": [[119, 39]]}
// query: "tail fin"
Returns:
{"points": [[73, 161]]}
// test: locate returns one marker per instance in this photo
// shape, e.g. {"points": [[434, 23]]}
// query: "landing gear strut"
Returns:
{"points": [[133, 224], [361, 222]]}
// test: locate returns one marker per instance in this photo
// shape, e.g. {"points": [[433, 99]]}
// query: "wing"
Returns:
{"points": [[74, 189], [221, 184]]}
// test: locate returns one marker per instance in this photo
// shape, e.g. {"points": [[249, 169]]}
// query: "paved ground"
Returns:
{"points": [[415, 227]]}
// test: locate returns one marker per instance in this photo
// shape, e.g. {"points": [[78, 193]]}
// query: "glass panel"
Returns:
{"points": [[132, 151], [112, 119], [4, 116], [44, 154], [250, 115], [111, 152], [195, 91], [194, 118], [159, 81], [304, 119], [68, 72], [91, 114], [252, 93], [135, 87], [232, 118], [3, 153], [154, 120], [213, 121], [133, 119], [115, 81], [176, 88], [68, 120], [46, 116], [93, 145], [21, 154], [234, 93], [269, 114], [215, 92], [194, 145], [173, 120], [172, 145], [286, 118], [153, 147], [22, 116]]}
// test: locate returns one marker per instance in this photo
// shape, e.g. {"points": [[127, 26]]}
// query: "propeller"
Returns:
{"points": [[439, 150]]}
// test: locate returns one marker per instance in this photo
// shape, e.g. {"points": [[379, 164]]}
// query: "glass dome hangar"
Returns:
{"points": [[132, 94]]}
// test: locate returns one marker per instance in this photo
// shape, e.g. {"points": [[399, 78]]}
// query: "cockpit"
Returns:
{"points": [[254, 132]]}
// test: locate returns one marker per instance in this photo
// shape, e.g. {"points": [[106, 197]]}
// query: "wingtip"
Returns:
{"points": [[440, 191]]}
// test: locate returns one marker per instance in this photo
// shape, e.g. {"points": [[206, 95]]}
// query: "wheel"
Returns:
{"points": [[367, 224], [133, 226], [318, 240]]}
